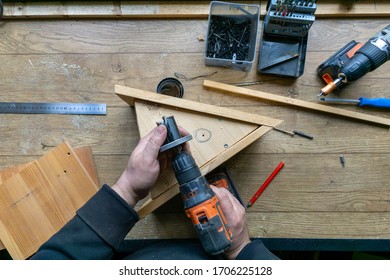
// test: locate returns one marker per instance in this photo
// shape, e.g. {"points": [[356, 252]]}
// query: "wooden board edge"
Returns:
{"points": [[168, 9], [129, 94], [81, 165], [84, 154], [225, 88]]}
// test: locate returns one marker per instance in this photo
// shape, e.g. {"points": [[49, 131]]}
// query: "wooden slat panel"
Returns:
{"points": [[40, 199], [83, 153], [30, 212]]}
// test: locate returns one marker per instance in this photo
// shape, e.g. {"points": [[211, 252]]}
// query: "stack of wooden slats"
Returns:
{"points": [[38, 198]]}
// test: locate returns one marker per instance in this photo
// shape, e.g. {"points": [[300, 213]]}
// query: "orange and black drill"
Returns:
{"points": [[354, 60], [200, 202]]}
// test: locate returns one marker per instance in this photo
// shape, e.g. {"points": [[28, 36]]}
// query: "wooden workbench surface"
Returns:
{"points": [[312, 197]]}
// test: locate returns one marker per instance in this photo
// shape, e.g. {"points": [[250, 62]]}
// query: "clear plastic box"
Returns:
{"points": [[232, 35]]}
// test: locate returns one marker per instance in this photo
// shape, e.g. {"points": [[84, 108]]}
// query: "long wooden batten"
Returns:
{"points": [[295, 102], [171, 9]]}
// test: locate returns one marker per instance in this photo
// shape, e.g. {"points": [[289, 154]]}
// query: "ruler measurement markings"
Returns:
{"points": [[52, 108]]}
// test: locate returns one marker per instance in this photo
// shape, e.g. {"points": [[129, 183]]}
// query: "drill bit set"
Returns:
{"points": [[283, 47], [290, 17]]}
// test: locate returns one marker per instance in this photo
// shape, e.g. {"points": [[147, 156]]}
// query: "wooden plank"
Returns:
{"points": [[84, 154], [40, 199], [332, 134], [172, 9], [361, 9], [304, 199], [296, 102], [107, 9], [277, 225], [9, 172], [152, 48], [129, 95]]}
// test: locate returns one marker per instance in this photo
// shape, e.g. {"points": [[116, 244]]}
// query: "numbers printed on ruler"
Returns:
{"points": [[52, 108]]}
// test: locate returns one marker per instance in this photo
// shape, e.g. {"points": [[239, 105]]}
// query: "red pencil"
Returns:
{"points": [[265, 184]]}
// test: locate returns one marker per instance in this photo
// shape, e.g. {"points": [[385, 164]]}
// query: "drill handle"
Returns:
{"points": [[211, 226]]}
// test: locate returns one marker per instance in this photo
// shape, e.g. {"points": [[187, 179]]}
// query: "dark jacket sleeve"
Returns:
{"points": [[256, 250], [96, 231]]}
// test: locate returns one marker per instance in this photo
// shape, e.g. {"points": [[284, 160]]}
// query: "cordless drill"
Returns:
{"points": [[201, 204], [355, 60]]}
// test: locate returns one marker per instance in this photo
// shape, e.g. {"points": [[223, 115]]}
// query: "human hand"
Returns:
{"points": [[144, 165], [235, 215]]}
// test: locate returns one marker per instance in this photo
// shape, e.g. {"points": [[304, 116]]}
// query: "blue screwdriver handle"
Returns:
{"points": [[375, 102]]}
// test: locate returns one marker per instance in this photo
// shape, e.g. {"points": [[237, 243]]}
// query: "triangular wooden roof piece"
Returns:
{"points": [[218, 133]]}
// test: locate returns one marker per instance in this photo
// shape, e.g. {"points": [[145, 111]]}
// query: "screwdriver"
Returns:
{"points": [[362, 101]]}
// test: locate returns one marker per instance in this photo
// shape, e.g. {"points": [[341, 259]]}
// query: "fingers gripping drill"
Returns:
{"points": [[200, 202], [354, 60]]}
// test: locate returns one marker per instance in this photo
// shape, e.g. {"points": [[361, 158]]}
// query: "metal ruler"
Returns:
{"points": [[52, 108]]}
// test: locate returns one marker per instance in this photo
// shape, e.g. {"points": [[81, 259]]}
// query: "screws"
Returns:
{"points": [[228, 36], [342, 160]]}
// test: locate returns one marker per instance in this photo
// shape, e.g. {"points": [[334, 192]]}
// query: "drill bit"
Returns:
{"points": [[331, 87]]}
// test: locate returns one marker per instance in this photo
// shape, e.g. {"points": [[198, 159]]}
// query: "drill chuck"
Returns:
{"points": [[195, 192], [185, 168], [369, 57], [355, 60]]}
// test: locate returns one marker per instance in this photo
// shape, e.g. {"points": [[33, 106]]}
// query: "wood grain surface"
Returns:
{"points": [[174, 9], [83, 153], [313, 196], [41, 198]]}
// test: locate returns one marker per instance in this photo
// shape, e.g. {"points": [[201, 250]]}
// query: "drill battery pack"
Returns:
{"points": [[328, 70], [221, 179]]}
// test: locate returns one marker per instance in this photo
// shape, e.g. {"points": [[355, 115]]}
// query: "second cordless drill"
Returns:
{"points": [[355, 60], [200, 202]]}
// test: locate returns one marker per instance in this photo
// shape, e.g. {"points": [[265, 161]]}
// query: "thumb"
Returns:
{"points": [[152, 147]]}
